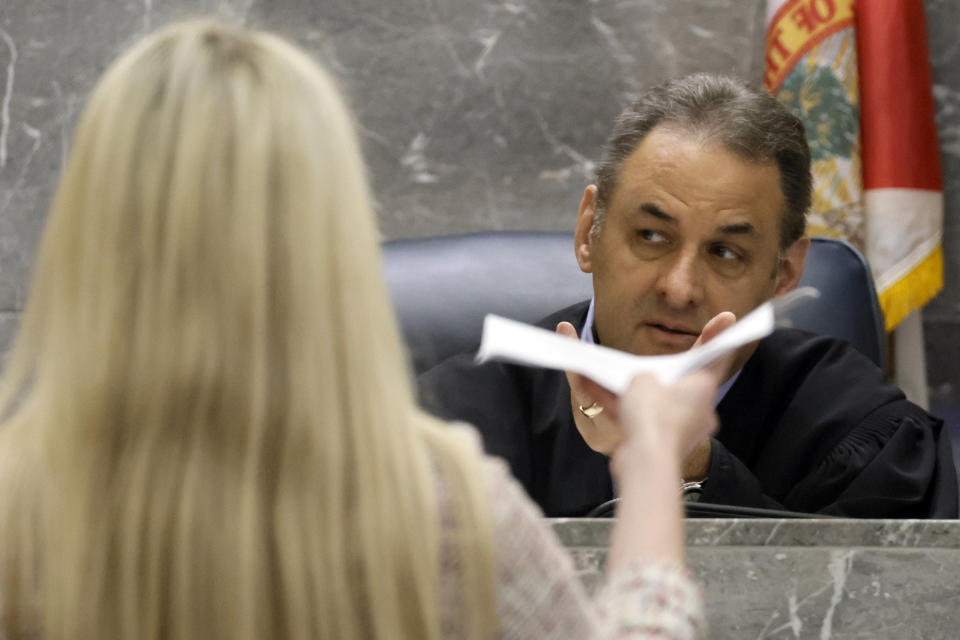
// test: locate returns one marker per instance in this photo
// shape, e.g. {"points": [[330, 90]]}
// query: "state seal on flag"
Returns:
{"points": [[821, 90]]}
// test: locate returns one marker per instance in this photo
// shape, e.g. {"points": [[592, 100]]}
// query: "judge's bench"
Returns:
{"points": [[797, 578]]}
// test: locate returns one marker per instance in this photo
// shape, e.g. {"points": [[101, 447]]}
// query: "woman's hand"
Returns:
{"points": [[662, 425]]}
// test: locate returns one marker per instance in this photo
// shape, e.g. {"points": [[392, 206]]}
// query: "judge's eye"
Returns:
{"points": [[724, 252], [652, 236]]}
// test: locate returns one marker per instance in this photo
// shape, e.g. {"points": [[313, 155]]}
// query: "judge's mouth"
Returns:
{"points": [[672, 334]]}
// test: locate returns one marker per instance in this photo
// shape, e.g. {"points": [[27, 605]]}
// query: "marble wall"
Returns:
{"points": [[475, 114], [942, 316]]}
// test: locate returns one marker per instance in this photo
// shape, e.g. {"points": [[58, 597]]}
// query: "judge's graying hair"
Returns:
{"points": [[748, 122], [209, 427]]}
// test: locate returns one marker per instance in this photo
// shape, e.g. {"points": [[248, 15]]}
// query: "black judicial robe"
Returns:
{"points": [[810, 425]]}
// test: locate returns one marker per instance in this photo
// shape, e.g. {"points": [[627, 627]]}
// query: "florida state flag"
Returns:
{"points": [[901, 162], [857, 73]]}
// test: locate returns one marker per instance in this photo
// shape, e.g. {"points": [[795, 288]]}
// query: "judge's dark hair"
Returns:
{"points": [[746, 121]]}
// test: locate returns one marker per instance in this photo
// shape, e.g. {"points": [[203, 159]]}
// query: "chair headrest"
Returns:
{"points": [[442, 287]]}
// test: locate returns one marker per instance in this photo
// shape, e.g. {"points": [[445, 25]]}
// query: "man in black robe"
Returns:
{"points": [[698, 216]]}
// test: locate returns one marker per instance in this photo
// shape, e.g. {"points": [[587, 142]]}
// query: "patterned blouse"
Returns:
{"points": [[538, 594]]}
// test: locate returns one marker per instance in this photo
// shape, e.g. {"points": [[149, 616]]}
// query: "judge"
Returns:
{"points": [[696, 217]]}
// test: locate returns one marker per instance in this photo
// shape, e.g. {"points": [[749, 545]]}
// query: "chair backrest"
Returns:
{"points": [[442, 287]]}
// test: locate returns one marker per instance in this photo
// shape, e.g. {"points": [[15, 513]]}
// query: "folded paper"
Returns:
{"points": [[523, 344]]}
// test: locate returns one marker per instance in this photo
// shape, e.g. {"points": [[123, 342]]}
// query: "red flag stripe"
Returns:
{"points": [[897, 114]]}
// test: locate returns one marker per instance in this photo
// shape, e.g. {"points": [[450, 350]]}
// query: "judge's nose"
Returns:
{"points": [[680, 283]]}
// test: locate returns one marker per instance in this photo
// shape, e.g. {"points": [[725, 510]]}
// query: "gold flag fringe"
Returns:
{"points": [[913, 290]]}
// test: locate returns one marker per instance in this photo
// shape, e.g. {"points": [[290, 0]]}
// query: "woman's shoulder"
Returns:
{"points": [[505, 492]]}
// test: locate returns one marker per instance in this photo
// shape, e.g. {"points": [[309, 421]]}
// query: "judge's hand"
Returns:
{"points": [[658, 419], [603, 433]]}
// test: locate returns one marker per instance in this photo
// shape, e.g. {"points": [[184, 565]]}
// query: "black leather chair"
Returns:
{"points": [[442, 287]]}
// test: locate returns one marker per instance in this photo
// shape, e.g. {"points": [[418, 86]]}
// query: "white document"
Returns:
{"points": [[523, 344]]}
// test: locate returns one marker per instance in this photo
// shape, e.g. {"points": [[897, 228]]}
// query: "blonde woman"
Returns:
{"points": [[209, 429]]}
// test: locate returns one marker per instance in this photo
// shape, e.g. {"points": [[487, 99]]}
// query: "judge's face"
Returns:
{"points": [[690, 230]]}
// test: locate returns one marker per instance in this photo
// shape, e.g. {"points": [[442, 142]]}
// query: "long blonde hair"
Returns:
{"points": [[210, 430]]}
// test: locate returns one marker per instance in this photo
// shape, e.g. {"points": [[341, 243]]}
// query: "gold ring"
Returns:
{"points": [[592, 411]]}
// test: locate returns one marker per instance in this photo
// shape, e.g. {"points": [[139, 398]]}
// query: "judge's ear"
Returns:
{"points": [[791, 266], [583, 233]]}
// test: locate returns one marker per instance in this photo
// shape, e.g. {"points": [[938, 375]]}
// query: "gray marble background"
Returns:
{"points": [[475, 114]]}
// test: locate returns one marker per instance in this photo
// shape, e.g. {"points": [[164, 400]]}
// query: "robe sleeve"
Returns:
{"points": [[894, 463], [811, 425], [729, 481]]}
